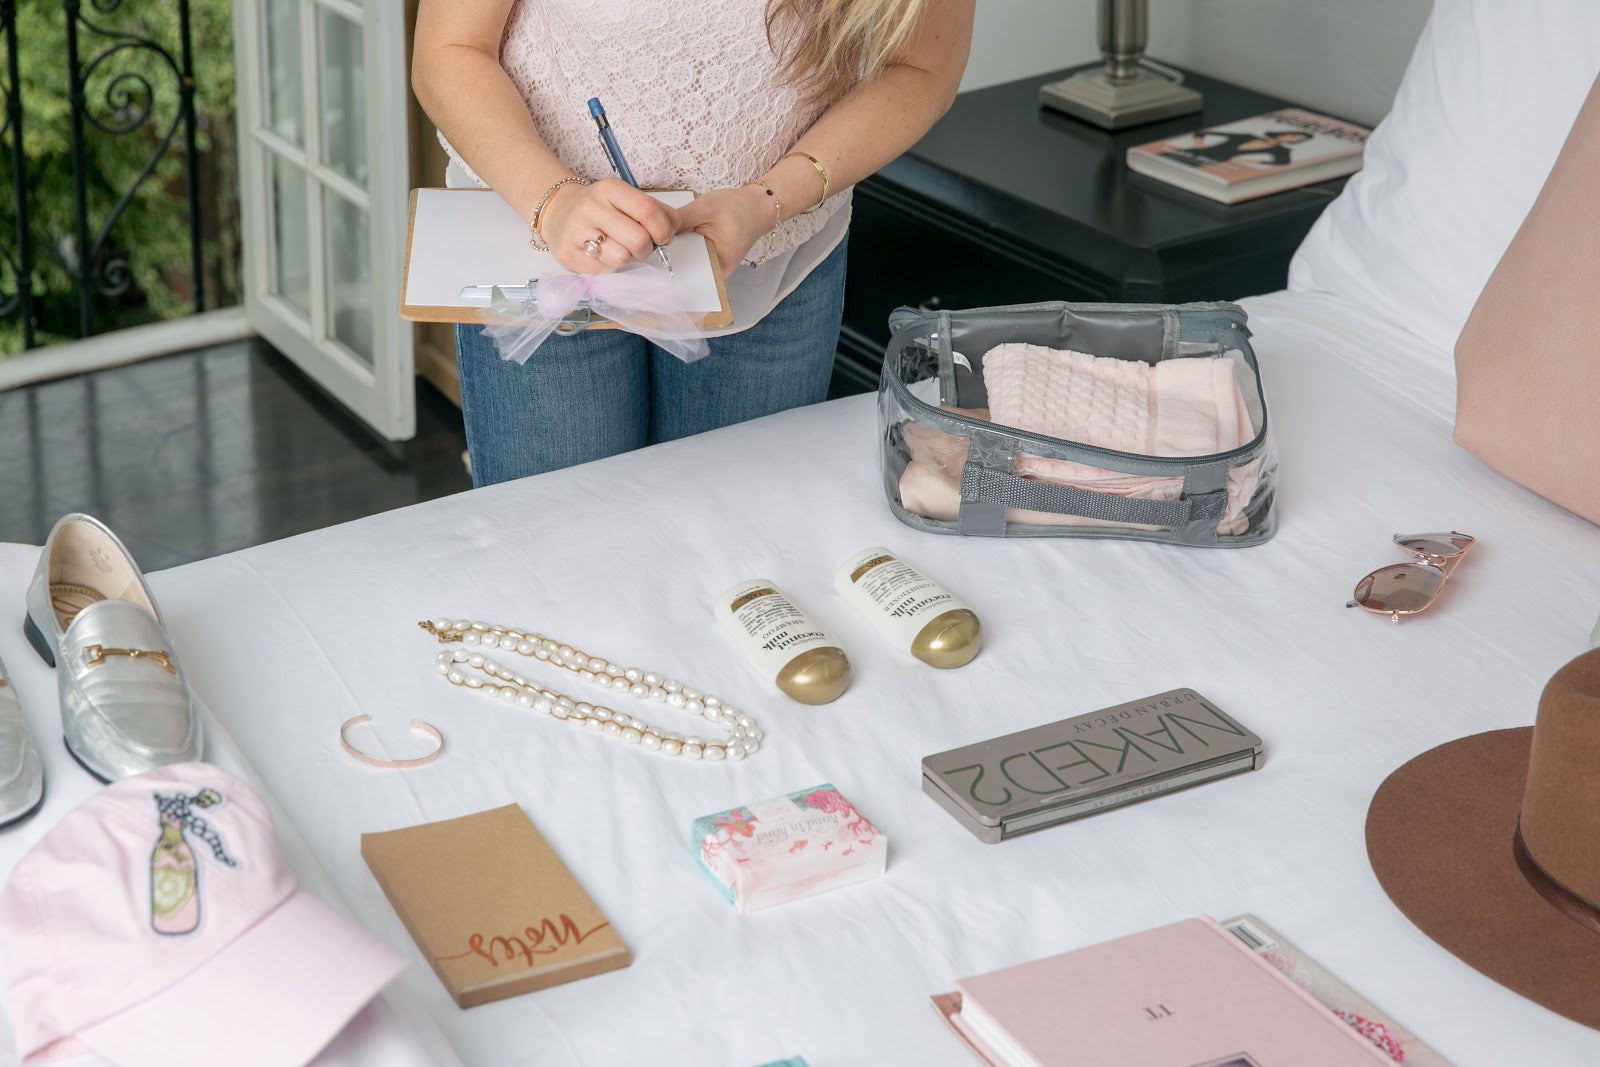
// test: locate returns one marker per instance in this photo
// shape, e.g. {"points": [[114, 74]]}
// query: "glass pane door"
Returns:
{"points": [[322, 102]]}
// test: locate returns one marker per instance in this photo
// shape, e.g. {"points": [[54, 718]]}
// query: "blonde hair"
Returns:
{"points": [[839, 43]]}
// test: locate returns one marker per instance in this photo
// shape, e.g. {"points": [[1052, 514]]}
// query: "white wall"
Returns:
{"points": [[1342, 56]]}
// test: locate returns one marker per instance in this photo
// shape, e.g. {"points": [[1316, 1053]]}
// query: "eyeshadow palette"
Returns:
{"points": [[1087, 764]]}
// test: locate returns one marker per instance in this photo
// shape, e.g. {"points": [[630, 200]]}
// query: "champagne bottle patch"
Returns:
{"points": [[174, 872]]}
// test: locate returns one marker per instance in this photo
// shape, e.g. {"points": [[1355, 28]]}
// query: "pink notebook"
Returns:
{"points": [[1186, 995]]}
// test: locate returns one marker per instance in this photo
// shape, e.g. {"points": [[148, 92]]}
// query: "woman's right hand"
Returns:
{"points": [[632, 223]]}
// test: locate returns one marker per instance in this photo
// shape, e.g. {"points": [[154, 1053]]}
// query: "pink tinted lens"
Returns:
{"points": [[1401, 587], [1437, 545]]}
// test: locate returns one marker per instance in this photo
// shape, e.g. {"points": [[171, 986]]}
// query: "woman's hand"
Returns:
{"points": [[733, 218], [632, 223]]}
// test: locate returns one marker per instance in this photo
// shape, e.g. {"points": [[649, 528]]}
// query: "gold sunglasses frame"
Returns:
{"points": [[1442, 563]]}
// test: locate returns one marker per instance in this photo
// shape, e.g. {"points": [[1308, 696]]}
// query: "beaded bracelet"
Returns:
{"points": [[822, 172], [777, 203], [777, 208], [535, 238]]}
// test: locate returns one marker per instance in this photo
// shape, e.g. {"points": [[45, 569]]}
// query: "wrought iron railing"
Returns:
{"points": [[116, 83], [18, 259]]}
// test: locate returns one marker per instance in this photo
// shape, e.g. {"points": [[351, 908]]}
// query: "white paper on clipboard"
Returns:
{"points": [[471, 237]]}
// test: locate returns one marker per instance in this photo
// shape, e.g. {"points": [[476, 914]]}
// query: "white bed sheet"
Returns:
{"points": [[285, 641]]}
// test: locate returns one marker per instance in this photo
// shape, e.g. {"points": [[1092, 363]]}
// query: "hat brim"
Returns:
{"points": [[1439, 836], [273, 998]]}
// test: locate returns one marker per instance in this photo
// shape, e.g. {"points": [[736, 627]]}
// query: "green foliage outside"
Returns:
{"points": [[153, 232]]}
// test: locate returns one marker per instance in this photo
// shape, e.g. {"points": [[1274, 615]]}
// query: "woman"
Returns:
{"points": [[1274, 145], [769, 109]]}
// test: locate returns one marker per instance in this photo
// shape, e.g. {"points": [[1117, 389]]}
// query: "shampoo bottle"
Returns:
{"points": [[785, 644]]}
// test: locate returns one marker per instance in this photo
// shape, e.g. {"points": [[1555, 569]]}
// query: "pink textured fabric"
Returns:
{"points": [[157, 925], [692, 89], [1178, 407]]}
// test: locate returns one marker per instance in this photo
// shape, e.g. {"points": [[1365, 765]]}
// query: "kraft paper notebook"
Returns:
{"points": [[462, 238], [1186, 995], [491, 906]]}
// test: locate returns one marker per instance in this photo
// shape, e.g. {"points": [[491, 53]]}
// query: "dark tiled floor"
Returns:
{"points": [[210, 451]]}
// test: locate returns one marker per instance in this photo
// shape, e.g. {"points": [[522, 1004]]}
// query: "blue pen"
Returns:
{"points": [[608, 141]]}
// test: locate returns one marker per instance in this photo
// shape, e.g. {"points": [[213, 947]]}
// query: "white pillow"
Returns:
{"points": [[1483, 109]]}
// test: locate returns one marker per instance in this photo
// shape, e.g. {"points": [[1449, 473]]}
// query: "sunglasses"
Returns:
{"points": [[1407, 588]]}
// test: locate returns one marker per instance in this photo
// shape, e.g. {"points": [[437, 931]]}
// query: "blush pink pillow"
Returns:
{"points": [[1528, 360]]}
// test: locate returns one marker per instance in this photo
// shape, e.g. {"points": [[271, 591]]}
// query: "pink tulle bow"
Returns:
{"points": [[639, 298]]}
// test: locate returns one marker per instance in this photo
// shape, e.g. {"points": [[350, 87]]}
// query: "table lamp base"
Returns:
{"points": [[1092, 96]]}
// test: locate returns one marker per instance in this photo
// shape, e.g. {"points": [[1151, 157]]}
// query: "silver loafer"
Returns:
{"points": [[124, 704], [21, 775]]}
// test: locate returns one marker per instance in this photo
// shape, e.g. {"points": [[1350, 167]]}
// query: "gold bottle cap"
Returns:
{"points": [[949, 640], [817, 676]]}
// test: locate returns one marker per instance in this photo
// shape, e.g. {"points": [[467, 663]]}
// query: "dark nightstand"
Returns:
{"points": [[1004, 202]]}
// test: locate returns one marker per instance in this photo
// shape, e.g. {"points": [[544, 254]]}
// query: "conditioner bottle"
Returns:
{"points": [[912, 610]]}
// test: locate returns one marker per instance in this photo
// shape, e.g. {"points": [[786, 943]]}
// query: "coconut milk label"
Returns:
{"points": [[768, 626], [894, 596]]}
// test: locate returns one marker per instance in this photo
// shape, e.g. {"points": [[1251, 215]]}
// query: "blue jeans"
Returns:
{"points": [[601, 392]]}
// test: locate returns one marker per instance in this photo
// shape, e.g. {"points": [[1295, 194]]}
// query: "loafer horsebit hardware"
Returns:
{"points": [[94, 655]]}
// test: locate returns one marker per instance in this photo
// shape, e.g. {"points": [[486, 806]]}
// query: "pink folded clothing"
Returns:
{"points": [[1182, 407], [1178, 407]]}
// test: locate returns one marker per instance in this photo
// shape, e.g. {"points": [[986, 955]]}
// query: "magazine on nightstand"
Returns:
{"points": [[1256, 156]]}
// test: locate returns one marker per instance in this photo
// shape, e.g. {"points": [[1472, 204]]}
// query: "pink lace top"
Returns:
{"points": [[691, 87]]}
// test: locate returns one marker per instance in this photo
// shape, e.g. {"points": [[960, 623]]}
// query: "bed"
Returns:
{"points": [[284, 642]]}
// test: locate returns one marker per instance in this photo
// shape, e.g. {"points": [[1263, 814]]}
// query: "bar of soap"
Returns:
{"points": [[788, 847]]}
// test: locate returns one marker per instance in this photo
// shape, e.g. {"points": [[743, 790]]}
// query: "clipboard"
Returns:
{"points": [[470, 239]]}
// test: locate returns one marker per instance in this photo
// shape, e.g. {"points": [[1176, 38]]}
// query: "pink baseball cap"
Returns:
{"points": [[157, 925]]}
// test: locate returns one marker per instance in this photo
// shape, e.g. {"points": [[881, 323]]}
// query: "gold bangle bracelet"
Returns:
{"points": [[822, 172], [380, 761]]}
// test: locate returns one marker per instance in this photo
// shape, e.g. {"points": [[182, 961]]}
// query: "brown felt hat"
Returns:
{"points": [[1491, 845]]}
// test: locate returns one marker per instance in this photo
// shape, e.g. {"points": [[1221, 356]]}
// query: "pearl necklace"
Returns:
{"points": [[458, 666]]}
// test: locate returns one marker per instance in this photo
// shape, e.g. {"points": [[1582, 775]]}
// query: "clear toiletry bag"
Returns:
{"points": [[1142, 421]]}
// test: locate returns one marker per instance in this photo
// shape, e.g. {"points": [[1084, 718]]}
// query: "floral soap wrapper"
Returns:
{"points": [[788, 847]]}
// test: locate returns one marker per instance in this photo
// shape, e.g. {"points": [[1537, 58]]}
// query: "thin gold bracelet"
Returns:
{"points": [[777, 209], [822, 172], [777, 202], [535, 238]]}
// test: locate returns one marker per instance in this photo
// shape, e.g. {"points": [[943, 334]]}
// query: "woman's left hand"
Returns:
{"points": [[735, 219]]}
